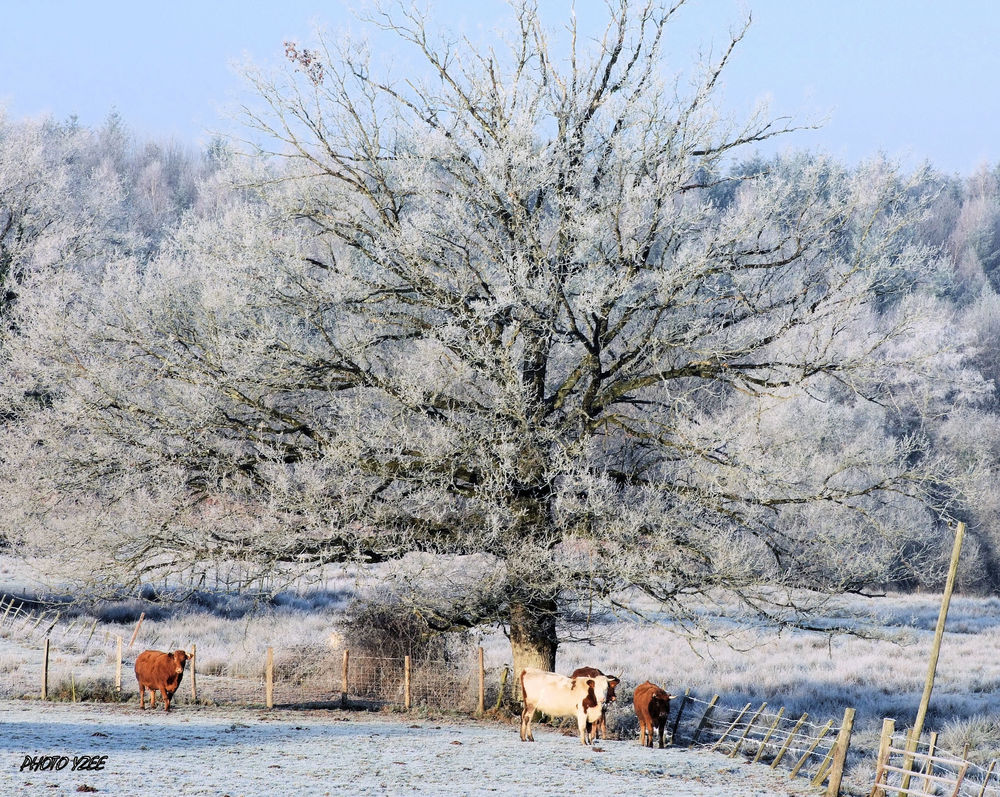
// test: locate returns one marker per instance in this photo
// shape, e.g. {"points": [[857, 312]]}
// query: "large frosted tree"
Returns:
{"points": [[514, 319]]}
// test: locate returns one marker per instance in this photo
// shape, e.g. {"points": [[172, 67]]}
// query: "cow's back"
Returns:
{"points": [[148, 664]]}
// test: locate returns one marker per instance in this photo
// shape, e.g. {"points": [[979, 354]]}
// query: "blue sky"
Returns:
{"points": [[916, 79]]}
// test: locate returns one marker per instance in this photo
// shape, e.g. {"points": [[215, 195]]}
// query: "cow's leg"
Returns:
{"points": [[583, 726], [526, 715], [152, 697], [142, 696], [166, 700], [662, 723]]}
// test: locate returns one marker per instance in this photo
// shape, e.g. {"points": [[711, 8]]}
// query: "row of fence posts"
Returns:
{"points": [[926, 774], [193, 678], [830, 770], [345, 681], [832, 767]]}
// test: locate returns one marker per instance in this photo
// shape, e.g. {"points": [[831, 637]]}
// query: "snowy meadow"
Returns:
{"points": [[879, 671]]}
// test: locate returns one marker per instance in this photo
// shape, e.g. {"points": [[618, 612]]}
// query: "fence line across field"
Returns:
{"points": [[341, 677]]}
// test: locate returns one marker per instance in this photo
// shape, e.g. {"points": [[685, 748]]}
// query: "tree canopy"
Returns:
{"points": [[523, 322]]}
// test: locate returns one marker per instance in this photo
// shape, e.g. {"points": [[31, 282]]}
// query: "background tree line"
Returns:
{"points": [[544, 334]]}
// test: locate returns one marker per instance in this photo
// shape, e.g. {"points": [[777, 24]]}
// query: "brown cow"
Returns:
{"points": [[652, 707], [601, 726], [159, 671]]}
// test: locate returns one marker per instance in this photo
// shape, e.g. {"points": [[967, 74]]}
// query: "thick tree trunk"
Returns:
{"points": [[533, 638]]}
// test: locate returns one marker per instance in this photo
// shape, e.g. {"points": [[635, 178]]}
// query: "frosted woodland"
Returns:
{"points": [[532, 329]]}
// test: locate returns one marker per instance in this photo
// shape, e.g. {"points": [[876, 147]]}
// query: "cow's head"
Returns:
{"points": [[179, 657], [612, 683]]}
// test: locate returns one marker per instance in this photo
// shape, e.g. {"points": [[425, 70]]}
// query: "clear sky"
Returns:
{"points": [[916, 79]]}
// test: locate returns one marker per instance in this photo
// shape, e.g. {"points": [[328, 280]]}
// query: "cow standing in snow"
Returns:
{"points": [[156, 670], [559, 696]]}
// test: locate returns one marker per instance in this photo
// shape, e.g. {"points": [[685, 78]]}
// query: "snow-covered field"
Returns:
{"points": [[211, 751]]}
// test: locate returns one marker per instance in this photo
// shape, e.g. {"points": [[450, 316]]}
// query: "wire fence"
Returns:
{"points": [[918, 768], [761, 734], [326, 677]]}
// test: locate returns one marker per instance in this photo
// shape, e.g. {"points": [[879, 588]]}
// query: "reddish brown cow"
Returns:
{"points": [[159, 671], [601, 726], [652, 707]]}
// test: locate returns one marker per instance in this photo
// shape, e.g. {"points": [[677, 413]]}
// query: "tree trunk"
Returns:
{"points": [[533, 638]]}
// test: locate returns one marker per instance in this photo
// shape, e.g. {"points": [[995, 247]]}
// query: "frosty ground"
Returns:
{"points": [[202, 750]]}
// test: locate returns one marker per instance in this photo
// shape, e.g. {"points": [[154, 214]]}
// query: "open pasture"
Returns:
{"points": [[880, 671]]}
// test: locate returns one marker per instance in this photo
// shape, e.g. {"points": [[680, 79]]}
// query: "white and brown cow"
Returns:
{"points": [[601, 726], [559, 696]]}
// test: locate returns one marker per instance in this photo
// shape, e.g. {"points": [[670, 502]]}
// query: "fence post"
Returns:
{"points": [[925, 699], [406, 682], [767, 736], [677, 719], [135, 633], [888, 727], [961, 777], [734, 723], [704, 719], [986, 780], [269, 679], [812, 747], [194, 678], [9, 607], [753, 719], [481, 706], [503, 686], [840, 757], [45, 671], [118, 668], [788, 741], [343, 682], [912, 740], [929, 766]]}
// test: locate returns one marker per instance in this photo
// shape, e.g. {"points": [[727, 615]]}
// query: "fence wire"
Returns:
{"points": [[315, 676]]}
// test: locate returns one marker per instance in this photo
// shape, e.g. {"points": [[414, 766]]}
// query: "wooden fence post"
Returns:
{"points": [[812, 747], [194, 677], [9, 607], [343, 680], [767, 736], [925, 699], [704, 719], [677, 719], [788, 741], [407, 697], [929, 766], [840, 757], [503, 686], [753, 719], [888, 728], [481, 705], [961, 777], [118, 668], [986, 780], [45, 671], [732, 725], [138, 625], [910, 748], [269, 679]]}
